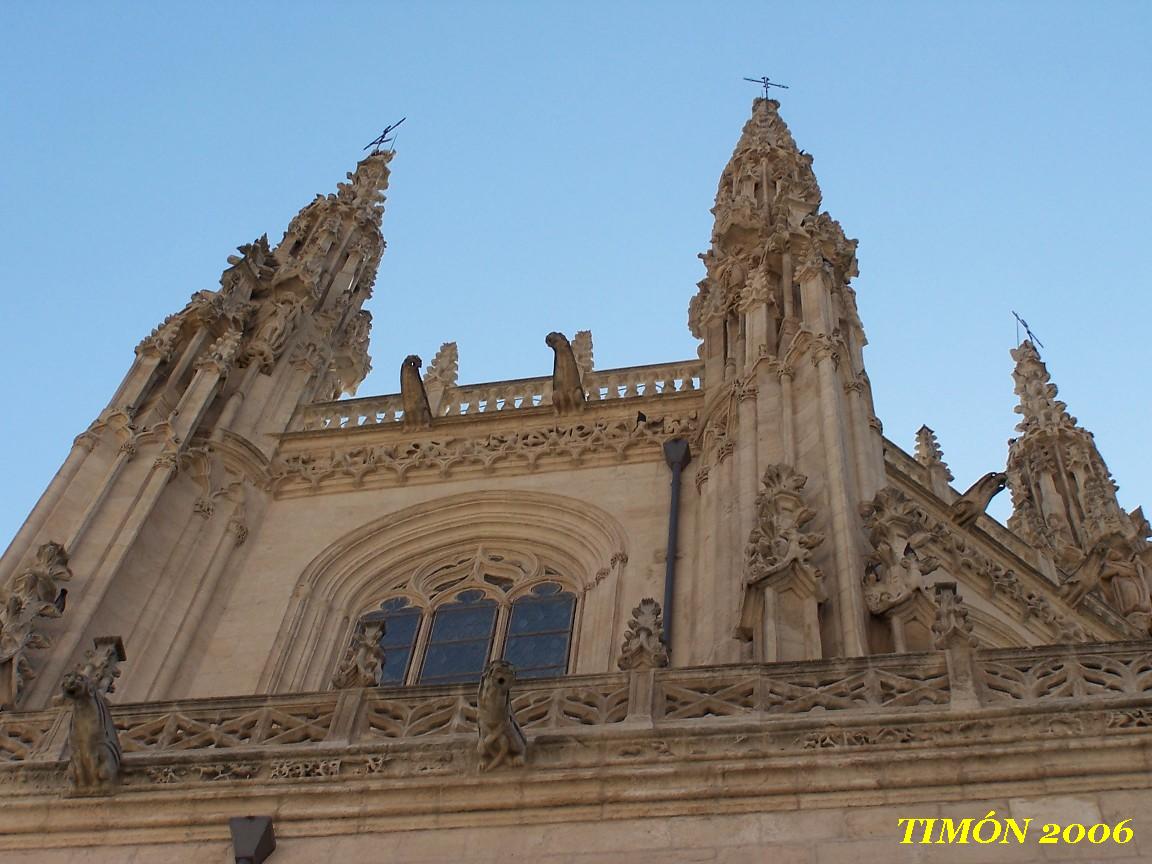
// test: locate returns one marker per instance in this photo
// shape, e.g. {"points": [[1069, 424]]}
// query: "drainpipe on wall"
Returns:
{"points": [[677, 455]]}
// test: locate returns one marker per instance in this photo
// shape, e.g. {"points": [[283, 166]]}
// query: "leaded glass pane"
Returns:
{"points": [[459, 643], [539, 632], [401, 623]]}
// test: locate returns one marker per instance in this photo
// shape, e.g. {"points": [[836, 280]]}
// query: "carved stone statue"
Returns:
{"points": [[644, 646], [1115, 565], [567, 389], [976, 500], [95, 748], [362, 665], [501, 739], [417, 413]]}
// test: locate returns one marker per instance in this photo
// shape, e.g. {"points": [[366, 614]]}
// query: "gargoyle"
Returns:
{"points": [[501, 739], [567, 389], [417, 414], [95, 747], [976, 500]]}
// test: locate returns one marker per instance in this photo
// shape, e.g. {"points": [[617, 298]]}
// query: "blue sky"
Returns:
{"points": [[555, 172]]}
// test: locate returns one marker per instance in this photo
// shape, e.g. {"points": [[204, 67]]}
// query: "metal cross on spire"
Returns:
{"points": [[1020, 322], [766, 83], [383, 138]]}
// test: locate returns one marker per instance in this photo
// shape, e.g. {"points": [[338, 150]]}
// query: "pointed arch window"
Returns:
{"points": [[459, 612]]}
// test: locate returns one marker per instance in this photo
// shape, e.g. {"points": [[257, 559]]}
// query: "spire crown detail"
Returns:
{"points": [[1039, 407]]}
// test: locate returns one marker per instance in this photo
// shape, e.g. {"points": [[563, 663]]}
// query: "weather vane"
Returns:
{"points": [[1020, 322], [384, 139], [766, 83]]}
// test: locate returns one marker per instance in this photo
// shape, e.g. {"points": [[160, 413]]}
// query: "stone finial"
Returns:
{"points": [[413, 397], [94, 745], [644, 646], [582, 351], [30, 594], [929, 454], [1039, 408], [364, 660], [567, 388], [444, 368], [951, 626], [501, 739]]}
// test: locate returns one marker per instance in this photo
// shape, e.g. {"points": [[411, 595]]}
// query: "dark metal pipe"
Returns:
{"points": [[677, 455]]}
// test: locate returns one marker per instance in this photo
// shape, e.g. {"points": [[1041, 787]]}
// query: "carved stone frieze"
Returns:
{"points": [[521, 449]]}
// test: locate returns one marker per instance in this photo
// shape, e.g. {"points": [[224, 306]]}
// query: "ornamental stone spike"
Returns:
{"points": [[929, 454]]}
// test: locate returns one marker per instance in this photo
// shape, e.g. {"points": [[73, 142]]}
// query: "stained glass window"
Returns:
{"points": [[401, 623], [539, 632], [460, 640]]}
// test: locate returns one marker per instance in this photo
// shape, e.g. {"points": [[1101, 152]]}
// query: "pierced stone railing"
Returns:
{"points": [[1063, 677], [610, 384]]}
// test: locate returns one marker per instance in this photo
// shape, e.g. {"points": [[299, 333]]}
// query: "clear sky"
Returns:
{"points": [[555, 172]]}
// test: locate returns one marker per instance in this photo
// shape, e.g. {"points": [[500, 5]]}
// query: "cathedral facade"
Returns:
{"points": [[698, 610]]}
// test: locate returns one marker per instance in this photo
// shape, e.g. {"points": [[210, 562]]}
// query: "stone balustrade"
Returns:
{"points": [[610, 384], [856, 690]]}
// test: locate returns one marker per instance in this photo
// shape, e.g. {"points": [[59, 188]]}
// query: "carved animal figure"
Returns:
{"points": [[417, 414], [567, 390], [501, 739], [976, 500], [92, 735]]}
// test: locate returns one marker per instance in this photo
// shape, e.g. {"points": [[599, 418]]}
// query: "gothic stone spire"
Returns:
{"points": [[768, 227], [1063, 496]]}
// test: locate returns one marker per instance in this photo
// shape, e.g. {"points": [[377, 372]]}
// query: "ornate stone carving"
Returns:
{"points": [[272, 333], [929, 454], [951, 627], [782, 587], [524, 449], [94, 763], [501, 739], [222, 352], [582, 351], [417, 413], [976, 499], [31, 593], [1063, 497], [440, 377], [364, 659], [896, 527], [1116, 564], [567, 389], [644, 646]]}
